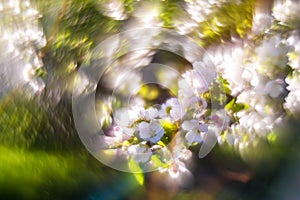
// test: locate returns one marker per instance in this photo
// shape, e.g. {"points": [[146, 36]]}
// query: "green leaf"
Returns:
{"points": [[170, 129], [272, 137], [157, 162], [235, 107], [136, 170]]}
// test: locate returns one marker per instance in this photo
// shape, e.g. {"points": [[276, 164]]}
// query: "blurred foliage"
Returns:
{"points": [[41, 175], [25, 123], [72, 27], [171, 9], [129, 6], [36, 175], [170, 131], [20, 121], [41, 156], [230, 20]]}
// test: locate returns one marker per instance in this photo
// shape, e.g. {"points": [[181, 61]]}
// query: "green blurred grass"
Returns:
{"points": [[40, 175], [36, 174]]}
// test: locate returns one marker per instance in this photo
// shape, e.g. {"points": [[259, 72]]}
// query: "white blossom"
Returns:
{"points": [[184, 24], [255, 70], [115, 136], [186, 94], [114, 9], [21, 37], [200, 9], [151, 131], [274, 88], [294, 54], [200, 77], [172, 109], [261, 22], [271, 56], [150, 18], [220, 119], [149, 114], [292, 101], [140, 153], [230, 62], [287, 12], [195, 130]]}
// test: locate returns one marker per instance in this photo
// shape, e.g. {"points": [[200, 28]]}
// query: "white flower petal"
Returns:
{"points": [[159, 135], [154, 139], [140, 153], [176, 113], [230, 139], [184, 89], [128, 131], [193, 136], [190, 125], [173, 108], [142, 157], [155, 126], [203, 127], [122, 117], [152, 113], [144, 130], [158, 131]]}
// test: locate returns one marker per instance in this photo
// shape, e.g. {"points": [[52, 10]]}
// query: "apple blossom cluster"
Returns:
{"points": [[287, 12], [21, 37], [292, 101], [186, 18], [255, 77], [148, 133], [199, 10], [195, 13], [260, 75]]}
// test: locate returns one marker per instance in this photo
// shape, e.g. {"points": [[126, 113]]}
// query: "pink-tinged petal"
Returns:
{"points": [[181, 153], [174, 170], [176, 167], [187, 154], [108, 141]]}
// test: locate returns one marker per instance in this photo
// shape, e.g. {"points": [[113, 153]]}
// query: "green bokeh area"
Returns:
{"points": [[41, 175], [41, 160]]}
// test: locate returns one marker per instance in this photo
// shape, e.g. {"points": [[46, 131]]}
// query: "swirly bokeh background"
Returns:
{"points": [[215, 83]]}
